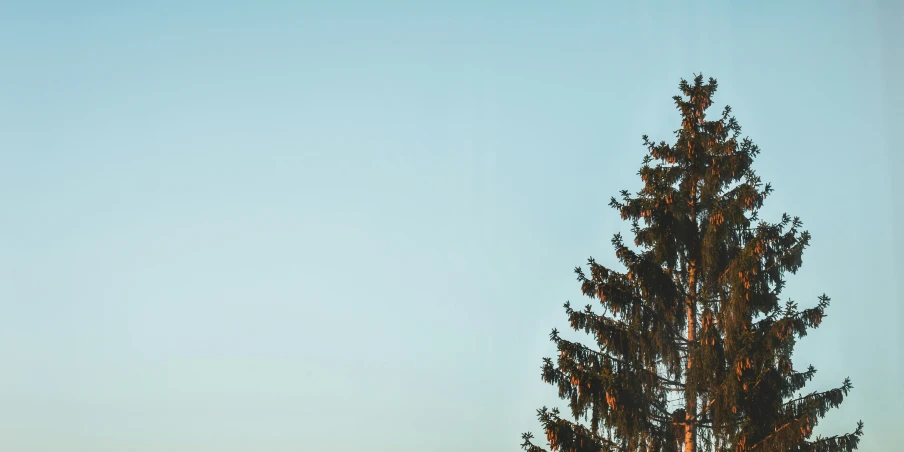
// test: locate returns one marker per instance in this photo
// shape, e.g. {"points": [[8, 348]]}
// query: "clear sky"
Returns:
{"points": [[341, 226]]}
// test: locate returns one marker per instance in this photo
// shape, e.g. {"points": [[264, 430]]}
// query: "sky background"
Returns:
{"points": [[351, 226]]}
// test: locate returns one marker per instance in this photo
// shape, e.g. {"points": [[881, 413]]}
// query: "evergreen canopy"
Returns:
{"points": [[696, 313]]}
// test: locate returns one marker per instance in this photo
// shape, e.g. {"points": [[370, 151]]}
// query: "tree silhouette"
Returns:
{"points": [[695, 313]]}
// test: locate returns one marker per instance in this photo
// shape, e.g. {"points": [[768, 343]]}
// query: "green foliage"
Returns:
{"points": [[696, 312]]}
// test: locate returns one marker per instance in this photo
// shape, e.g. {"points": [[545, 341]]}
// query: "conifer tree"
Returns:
{"points": [[693, 345]]}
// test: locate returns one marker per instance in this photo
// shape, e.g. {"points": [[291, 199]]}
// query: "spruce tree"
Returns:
{"points": [[693, 345]]}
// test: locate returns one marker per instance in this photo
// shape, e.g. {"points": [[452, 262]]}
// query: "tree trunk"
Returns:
{"points": [[690, 409], [690, 388]]}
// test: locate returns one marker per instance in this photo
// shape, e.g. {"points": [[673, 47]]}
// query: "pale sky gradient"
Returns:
{"points": [[340, 226]]}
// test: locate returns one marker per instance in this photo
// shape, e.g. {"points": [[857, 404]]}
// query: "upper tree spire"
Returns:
{"points": [[694, 312]]}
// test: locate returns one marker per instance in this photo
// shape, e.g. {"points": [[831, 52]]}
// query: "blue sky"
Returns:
{"points": [[337, 225]]}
